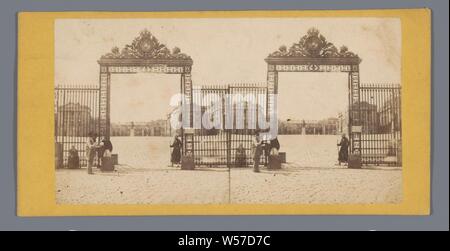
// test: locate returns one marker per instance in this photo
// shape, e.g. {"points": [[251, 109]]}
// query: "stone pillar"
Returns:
{"points": [[355, 113], [104, 102], [186, 89], [272, 89], [187, 159], [355, 159]]}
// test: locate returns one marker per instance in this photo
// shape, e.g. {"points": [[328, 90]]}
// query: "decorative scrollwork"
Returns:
{"points": [[313, 45], [145, 46]]}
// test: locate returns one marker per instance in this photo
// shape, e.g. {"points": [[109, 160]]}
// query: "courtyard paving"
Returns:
{"points": [[310, 177]]}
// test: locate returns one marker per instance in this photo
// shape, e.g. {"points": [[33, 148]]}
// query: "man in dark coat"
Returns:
{"points": [[175, 157], [107, 145], [104, 154], [272, 150], [343, 151], [274, 144]]}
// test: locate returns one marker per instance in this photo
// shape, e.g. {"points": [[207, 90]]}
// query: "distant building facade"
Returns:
{"points": [[76, 118], [389, 116], [153, 128], [369, 117], [383, 119], [374, 120], [330, 126]]}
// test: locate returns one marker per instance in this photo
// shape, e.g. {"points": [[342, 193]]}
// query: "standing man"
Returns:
{"points": [[343, 151], [100, 148], [257, 152], [175, 157], [91, 150]]}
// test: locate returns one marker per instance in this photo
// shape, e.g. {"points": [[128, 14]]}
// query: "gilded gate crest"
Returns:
{"points": [[145, 46], [313, 45]]}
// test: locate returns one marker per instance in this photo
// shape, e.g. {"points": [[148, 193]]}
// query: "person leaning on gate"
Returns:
{"points": [[91, 151]]}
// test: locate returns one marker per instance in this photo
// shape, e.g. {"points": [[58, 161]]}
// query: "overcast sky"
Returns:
{"points": [[227, 51]]}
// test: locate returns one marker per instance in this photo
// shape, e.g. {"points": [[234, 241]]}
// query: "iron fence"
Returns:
{"points": [[76, 115], [381, 124]]}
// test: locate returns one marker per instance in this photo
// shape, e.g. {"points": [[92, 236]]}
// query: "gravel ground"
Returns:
{"points": [[310, 176]]}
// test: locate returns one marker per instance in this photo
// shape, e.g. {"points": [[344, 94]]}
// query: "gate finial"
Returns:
{"points": [[145, 46], [313, 45]]}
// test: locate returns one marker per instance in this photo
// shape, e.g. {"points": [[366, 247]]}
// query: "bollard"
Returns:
{"points": [[354, 161], [274, 162], [187, 163], [107, 162]]}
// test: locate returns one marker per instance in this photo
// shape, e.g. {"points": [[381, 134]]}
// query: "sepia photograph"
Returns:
{"points": [[228, 111]]}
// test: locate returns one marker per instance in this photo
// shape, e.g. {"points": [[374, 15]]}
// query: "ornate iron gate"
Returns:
{"points": [[381, 137], [76, 115], [220, 146], [313, 53]]}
